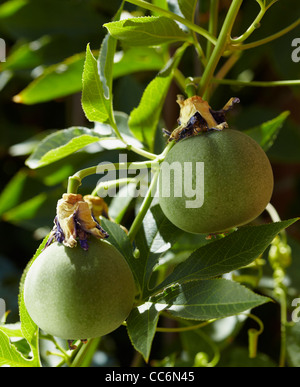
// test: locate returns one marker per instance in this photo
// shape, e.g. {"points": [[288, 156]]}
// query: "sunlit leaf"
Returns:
{"points": [[266, 133], [147, 31], [61, 144], [141, 325], [56, 81], [207, 299], [238, 249], [143, 120]]}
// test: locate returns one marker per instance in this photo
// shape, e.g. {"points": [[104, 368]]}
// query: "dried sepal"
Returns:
{"points": [[197, 116], [74, 221], [97, 206]]}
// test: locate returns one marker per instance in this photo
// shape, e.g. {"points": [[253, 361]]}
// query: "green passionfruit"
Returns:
{"points": [[215, 181], [76, 294]]}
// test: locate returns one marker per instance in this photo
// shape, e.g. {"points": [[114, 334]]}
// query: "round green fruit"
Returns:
{"points": [[76, 294], [215, 181]]}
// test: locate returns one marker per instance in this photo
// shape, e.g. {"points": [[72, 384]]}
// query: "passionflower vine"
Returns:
{"points": [[74, 222]]}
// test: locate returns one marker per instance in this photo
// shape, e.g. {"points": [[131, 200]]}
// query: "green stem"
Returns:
{"points": [[223, 39], [85, 352], [235, 82], [184, 329], [144, 208], [171, 15], [283, 323], [251, 29], [141, 152], [276, 218], [267, 39], [75, 180], [213, 24], [113, 183]]}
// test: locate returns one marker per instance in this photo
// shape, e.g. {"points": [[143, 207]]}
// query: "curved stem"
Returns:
{"points": [[75, 180], [141, 152], [112, 183], [276, 218], [171, 15], [250, 30], [144, 207], [220, 47], [267, 39], [186, 328]]}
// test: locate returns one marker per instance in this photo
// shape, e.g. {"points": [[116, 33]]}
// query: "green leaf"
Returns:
{"points": [[61, 144], [236, 250], [9, 355], [187, 8], [95, 104], [141, 326], [266, 133], [56, 81], [119, 239], [25, 210], [65, 78], [143, 120], [12, 193], [156, 235], [136, 59], [147, 31], [207, 299], [28, 327]]}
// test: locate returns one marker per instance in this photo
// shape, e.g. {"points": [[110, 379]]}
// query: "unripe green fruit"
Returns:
{"points": [[76, 294], [237, 186]]}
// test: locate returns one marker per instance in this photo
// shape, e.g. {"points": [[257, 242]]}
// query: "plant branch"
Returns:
{"points": [[213, 24], [254, 25], [234, 82], [223, 39], [267, 39], [75, 180], [144, 207]]}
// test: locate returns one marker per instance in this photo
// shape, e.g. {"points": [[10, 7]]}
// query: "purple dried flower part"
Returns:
{"points": [[74, 221], [197, 116]]}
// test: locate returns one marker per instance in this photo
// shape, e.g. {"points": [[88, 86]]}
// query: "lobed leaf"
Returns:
{"points": [[236, 250], [147, 31], [208, 299]]}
